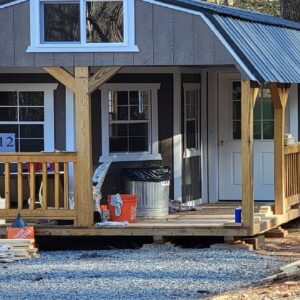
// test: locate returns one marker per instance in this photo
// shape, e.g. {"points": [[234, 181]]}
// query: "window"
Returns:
{"points": [[26, 110], [191, 119], [75, 25], [129, 122], [263, 126]]}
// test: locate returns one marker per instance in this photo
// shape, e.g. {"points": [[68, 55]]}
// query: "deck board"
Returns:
{"points": [[212, 220]]}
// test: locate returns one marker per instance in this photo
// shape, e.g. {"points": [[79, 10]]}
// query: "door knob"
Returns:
{"points": [[221, 143]]}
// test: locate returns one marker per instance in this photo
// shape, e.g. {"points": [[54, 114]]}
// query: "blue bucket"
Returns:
{"points": [[238, 215]]}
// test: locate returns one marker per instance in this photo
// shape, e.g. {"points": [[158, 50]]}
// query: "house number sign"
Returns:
{"points": [[7, 142]]}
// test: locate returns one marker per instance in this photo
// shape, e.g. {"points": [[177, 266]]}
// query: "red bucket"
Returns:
{"points": [[128, 210]]}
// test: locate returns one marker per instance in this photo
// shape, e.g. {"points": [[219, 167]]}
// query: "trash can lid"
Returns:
{"points": [[155, 174]]}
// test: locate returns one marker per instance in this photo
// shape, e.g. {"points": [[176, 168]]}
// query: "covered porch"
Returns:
{"points": [[71, 200]]}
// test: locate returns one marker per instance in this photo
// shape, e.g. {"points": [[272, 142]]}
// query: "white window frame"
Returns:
{"points": [[192, 87], [153, 153], [37, 45], [48, 90]]}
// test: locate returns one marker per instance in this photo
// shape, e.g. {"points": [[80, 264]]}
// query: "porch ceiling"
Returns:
{"points": [[265, 48]]}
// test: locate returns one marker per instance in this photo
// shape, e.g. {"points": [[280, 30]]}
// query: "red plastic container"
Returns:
{"points": [[128, 212]]}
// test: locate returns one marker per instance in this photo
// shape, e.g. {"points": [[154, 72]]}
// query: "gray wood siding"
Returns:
{"points": [[164, 37]]}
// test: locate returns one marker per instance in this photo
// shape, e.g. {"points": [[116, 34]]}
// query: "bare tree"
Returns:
{"points": [[290, 9]]}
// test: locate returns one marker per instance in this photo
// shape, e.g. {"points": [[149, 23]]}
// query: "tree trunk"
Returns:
{"points": [[290, 9]]}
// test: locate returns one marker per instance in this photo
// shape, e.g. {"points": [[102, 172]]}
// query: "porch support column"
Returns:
{"points": [[279, 95], [249, 95], [83, 131]]}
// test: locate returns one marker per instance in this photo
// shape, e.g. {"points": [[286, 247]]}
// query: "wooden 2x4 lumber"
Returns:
{"points": [[249, 96], [32, 186], [84, 188], [63, 76], [45, 186], [20, 186], [279, 96], [7, 184], [66, 186], [101, 76]]}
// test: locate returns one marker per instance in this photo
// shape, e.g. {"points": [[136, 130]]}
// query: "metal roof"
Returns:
{"points": [[265, 47]]}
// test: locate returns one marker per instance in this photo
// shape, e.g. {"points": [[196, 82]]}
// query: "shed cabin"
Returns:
{"points": [[209, 91]]}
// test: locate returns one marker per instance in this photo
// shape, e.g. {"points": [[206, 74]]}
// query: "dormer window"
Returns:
{"points": [[82, 26]]}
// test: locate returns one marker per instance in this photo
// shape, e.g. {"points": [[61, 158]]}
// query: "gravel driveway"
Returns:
{"points": [[147, 273]]}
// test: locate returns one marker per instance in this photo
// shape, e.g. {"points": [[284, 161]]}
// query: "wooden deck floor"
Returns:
{"points": [[211, 220]]}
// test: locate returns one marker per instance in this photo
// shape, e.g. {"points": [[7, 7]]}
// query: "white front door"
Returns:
{"points": [[229, 105]]}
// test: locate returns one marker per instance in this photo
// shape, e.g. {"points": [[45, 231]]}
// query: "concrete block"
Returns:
{"points": [[257, 241]]}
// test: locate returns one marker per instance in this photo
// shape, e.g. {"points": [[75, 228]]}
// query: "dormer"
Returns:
{"points": [[82, 26]]}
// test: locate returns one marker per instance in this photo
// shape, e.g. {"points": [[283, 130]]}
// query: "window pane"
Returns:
{"points": [[191, 134], [9, 129], [104, 21], [31, 114], [120, 113], [139, 129], [118, 144], [268, 128], [61, 22], [236, 130], [268, 110], [236, 90], [27, 131], [257, 130], [31, 145], [139, 98], [138, 144], [139, 112], [31, 98], [120, 98], [236, 113], [8, 114], [116, 130], [8, 98], [257, 110]]}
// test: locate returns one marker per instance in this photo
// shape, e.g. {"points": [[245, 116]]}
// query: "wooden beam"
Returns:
{"points": [[83, 182], [279, 96], [63, 76], [101, 76], [249, 96]]}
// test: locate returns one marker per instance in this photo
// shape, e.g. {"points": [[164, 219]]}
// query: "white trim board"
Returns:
{"points": [[11, 3]]}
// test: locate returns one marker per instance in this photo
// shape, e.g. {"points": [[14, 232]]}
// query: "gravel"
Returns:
{"points": [[146, 273]]}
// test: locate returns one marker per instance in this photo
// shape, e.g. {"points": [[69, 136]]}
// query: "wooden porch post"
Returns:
{"points": [[279, 96], [249, 96], [84, 147]]}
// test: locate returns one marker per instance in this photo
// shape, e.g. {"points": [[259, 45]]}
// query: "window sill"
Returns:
{"points": [[81, 48], [130, 157]]}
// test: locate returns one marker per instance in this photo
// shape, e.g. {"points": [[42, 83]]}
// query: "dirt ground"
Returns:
{"points": [[288, 288]]}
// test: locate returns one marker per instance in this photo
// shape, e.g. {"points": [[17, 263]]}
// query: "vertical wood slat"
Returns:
{"points": [[66, 186], [75, 195], [20, 186], [56, 185], [45, 186], [7, 185], [32, 185], [249, 96]]}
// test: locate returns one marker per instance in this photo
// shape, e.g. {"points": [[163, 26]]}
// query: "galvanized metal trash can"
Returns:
{"points": [[152, 187]]}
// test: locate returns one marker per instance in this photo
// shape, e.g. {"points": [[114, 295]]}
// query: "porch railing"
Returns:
{"points": [[38, 185], [292, 174]]}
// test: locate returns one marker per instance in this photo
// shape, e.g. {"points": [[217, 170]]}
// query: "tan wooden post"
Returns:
{"points": [[84, 147], [249, 96], [279, 96]]}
